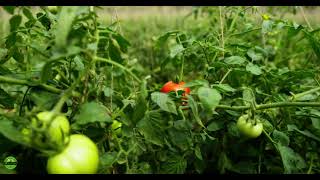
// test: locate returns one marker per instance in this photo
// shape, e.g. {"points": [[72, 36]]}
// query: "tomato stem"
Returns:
{"points": [[271, 105], [118, 65], [11, 80], [297, 96]]}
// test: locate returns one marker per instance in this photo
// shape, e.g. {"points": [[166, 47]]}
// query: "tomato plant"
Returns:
{"points": [[249, 127], [78, 69], [80, 156]]}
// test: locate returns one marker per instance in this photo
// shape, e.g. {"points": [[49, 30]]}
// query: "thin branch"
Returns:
{"points": [[271, 105], [10, 80], [118, 65]]}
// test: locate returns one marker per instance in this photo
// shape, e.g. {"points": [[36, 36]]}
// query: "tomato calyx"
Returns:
{"points": [[47, 131]]}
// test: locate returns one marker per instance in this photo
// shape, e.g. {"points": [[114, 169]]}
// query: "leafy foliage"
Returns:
{"points": [[95, 72]]}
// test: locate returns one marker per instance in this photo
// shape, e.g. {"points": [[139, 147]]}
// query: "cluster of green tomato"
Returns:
{"points": [[79, 154]]}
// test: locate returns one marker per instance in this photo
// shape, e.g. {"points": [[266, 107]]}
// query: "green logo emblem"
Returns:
{"points": [[10, 162]]}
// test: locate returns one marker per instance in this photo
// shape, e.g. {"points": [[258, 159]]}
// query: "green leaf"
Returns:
{"points": [[43, 98], [151, 127], [164, 101], [234, 60], [73, 50], [9, 9], [181, 139], [292, 161], [141, 106], [266, 26], [201, 82], [254, 56], [210, 98], [26, 11], [253, 69], [197, 152], [315, 120], [293, 31], [307, 133], [316, 123], [6, 100], [108, 158], [194, 108], [244, 167], [163, 39], [174, 165], [124, 44], [3, 54], [314, 43], [78, 62], [248, 96], [64, 24], [224, 87], [182, 125], [267, 126], [175, 50], [233, 130], [280, 138], [224, 163], [44, 20], [47, 70], [114, 51], [107, 91], [8, 130], [15, 22], [17, 55], [215, 125], [92, 112]]}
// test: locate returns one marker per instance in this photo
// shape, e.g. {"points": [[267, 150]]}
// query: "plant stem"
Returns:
{"points": [[10, 80], [182, 67], [305, 18], [270, 139], [271, 105], [221, 24], [297, 96], [118, 65], [234, 19], [244, 32], [224, 77], [310, 167]]}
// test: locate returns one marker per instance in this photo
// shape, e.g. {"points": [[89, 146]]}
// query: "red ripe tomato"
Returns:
{"points": [[180, 86], [171, 86], [168, 87]]}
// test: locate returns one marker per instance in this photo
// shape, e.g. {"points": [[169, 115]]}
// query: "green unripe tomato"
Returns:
{"points": [[249, 129], [26, 134], [53, 9], [116, 127], [57, 130], [80, 156]]}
